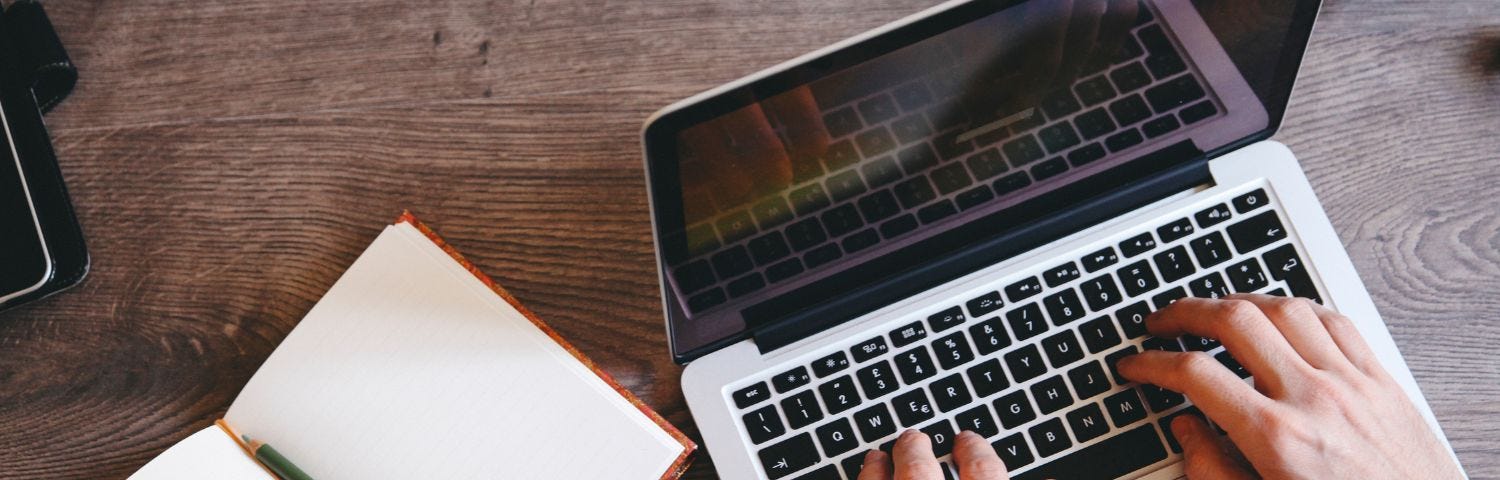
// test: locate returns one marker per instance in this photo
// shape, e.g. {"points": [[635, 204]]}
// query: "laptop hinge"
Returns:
{"points": [[1142, 181]]}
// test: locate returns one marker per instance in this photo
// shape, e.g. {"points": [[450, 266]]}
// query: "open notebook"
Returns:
{"points": [[415, 365]]}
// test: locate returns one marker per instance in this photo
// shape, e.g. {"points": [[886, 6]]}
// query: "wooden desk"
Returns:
{"points": [[230, 158]]}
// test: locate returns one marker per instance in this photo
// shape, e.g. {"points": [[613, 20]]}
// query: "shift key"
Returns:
{"points": [[1112, 458]]}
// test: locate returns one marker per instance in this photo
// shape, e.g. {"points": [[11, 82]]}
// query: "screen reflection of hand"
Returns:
{"points": [[750, 152]]}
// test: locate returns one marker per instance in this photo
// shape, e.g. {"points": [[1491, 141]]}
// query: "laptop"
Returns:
{"points": [[960, 220]]}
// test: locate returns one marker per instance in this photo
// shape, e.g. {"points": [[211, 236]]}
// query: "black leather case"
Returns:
{"points": [[38, 75]]}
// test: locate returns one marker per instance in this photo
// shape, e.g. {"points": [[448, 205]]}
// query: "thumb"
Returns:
{"points": [[1205, 454]]}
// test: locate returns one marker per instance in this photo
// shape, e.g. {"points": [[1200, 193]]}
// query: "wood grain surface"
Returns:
{"points": [[229, 159]]}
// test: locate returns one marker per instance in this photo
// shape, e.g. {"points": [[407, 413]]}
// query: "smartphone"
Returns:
{"points": [[25, 265]]}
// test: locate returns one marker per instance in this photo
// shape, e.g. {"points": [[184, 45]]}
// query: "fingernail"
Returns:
{"points": [[1181, 430], [874, 457], [967, 433]]}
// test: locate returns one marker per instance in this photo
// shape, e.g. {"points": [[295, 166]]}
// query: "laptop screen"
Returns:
{"points": [[775, 195]]}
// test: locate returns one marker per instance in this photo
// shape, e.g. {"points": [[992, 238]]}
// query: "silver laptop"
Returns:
{"points": [[959, 221]]}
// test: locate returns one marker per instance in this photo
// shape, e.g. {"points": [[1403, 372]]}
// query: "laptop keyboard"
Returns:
{"points": [[891, 170], [1029, 364]]}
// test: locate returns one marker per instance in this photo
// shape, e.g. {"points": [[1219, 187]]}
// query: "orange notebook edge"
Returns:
{"points": [[679, 466]]}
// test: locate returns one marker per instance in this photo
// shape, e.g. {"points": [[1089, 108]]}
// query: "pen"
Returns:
{"points": [[275, 461]]}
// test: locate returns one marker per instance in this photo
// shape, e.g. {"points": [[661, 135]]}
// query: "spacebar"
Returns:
{"points": [[1120, 455]]}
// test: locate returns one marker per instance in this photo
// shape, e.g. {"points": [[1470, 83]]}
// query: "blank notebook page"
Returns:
{"points": [[410, 367]]}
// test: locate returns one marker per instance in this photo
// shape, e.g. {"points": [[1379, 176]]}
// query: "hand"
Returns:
{"points": [[914, 460], [1322, 406]]}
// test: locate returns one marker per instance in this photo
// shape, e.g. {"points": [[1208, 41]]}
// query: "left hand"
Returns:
{"points": [[914, 460]]}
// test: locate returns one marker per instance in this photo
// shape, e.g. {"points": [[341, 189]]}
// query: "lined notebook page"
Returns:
{"points": [[410, 367], [210, 453]]}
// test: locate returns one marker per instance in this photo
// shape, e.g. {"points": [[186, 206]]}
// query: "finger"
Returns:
{"points": [[1244, 330], [1082, 35], [1118, 20], [1214, 389], [1303, 330], [976, 459], [877, 466], [743, 154], [1349, 340], [1204, 452], [797, 111], [914, 459]]}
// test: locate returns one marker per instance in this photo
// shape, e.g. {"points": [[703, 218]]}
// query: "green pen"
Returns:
{"points": [[275, 461]]}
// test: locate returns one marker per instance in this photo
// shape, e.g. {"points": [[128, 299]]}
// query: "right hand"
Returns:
{"points": [[1322, 406]]}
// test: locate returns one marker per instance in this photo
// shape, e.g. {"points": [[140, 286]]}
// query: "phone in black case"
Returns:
{"points": [[25, 265]]}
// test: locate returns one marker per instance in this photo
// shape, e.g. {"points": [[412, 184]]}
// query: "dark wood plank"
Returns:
{"points": [[229, 159]]}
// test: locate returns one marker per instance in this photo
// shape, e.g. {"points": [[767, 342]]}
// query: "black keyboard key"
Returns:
{"points": [[1060, 104], [1094, 90], [989, 336], [938, 211], [839, 394], [842, 220], [1114, 457], [978, 420], [837, 438], [1210, 250], [826, 472], [988, 378], [1250, 201], [917, 159], [791, 379], [732, 262], [1161, 300], [952, 350], [1088, 380], [830, 364], [1233, 365], [877, 380], [1155, 40], [1112, 361], [1209, 286], [1174, 264], [1059, 137], [876, 207], [745, 285], [984, 304], [1131, 77], [1175, 230], [1286, 266], [1025, 363], [950, 393], [1094, 123], [1199, 344], [1051, 395], [1099, 334], [1165, 65], [914, 192], [985, 165], [1160, 126], [1161, 399], [1049, 169], [1011, 183], [911, 129], [822, 255], [974, 197], [1086, 155], [763, 424], [941, 435], [772, 212], [912, 407], [880, 172], [1125, 408], [946, 319], [1198, 112], [1061, 274], [805, 234], [801, 409], [694, 276], [1023, 289], [845, 186], [852, 465], [1213, 215], [908, 334], [809, 199], [1256, 232], [1132, 319], [898, 226], [1123, 140], [1174, 93], [1162, 344], [1087, 422], [1050, 438], [1014, 451], [874, 423], [789, 456], [868, 349], [1247, 276], [1063, 307], [783, 270], [1100, 292], [915, 365], [949, 147], [769, 248], [840, 155], [1014, 409], [860, 241], [751, 395], [1096, 261], [874, 142], [1023, 150], [1130, 110], [706, 300], [1026, 321], [1166, 426], [1138, 244], [951, 178], [1062, 348], [842, 122], [1137, 278]]}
